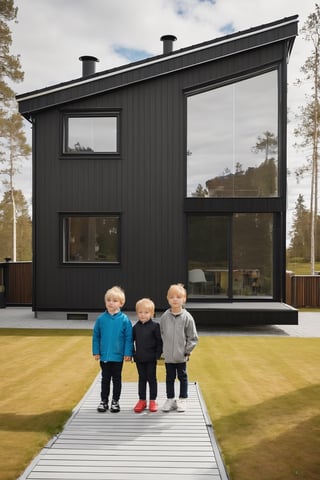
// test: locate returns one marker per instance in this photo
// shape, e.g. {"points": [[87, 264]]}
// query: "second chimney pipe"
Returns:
{"points": [[88, 65], [168, 43]]}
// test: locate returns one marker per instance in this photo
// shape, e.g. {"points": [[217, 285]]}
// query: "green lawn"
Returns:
{"points": [[262, 394], [300, 268]]}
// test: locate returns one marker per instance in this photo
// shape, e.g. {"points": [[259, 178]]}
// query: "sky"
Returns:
{"points": [[51, 35]]}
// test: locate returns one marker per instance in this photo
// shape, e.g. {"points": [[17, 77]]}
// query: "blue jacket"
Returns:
{"points": [[112, 337]]}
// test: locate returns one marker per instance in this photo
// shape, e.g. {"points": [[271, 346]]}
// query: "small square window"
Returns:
{"points": [[91, 239], [85, 135]]}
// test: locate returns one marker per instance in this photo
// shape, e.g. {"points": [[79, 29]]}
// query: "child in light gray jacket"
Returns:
{"points": [[179, 336]]}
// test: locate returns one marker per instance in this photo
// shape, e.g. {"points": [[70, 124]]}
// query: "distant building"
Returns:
{"points": [[171, 169]]}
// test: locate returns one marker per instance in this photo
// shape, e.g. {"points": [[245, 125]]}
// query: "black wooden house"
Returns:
{"points": [[171, 169]]}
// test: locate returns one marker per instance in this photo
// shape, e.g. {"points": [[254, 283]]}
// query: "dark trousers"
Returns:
{"points": [[174, 370], [147, 374], [110, 371]]}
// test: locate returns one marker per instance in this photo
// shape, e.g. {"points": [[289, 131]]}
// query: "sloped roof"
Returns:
{"points": [[285, 29]]}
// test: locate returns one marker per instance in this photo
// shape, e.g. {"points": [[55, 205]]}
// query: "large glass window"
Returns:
{"points": [[91, 239], [91, 134], [232, 139], [230, 255]]}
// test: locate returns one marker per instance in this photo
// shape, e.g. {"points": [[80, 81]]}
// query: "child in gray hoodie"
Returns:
{"points": [[179, 336]]}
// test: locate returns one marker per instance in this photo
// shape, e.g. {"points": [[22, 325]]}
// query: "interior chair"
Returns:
{"points": [[198, 281]]}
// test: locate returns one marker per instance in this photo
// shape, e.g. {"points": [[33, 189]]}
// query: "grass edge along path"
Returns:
{"points": [[262, 394]]}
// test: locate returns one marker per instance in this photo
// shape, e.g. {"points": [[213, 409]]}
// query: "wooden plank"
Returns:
{"points": [[130, 446], [121, 476], [103, 459], [116, 468]]}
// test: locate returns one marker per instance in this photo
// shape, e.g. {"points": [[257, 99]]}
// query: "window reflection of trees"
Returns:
{"points": [[260, 181], [89, 134], [227, 155], [79, 148]]}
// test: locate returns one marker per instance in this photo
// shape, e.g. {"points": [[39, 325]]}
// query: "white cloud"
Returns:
{"points": [[51, 35]]}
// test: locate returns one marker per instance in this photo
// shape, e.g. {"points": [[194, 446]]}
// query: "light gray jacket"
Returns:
{"points": [[179, 336]]}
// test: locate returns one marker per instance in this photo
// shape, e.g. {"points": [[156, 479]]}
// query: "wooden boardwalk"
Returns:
{"points": [[130, 446]]}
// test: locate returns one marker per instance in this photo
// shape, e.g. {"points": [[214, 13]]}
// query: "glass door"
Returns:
{"points": [[230, 256], [208, 256]]}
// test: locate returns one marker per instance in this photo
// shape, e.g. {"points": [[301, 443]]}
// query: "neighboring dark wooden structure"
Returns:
{"points": [[16, 279], [117, 196], [305, 291]]}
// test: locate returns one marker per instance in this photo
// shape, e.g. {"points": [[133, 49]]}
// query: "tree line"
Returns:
{"points": [[15, 223], [23, 227], [308, 132], [300, 234]]}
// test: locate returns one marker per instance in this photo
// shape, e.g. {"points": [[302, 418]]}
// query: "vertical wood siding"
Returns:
{"points": [[305, 291], [18, 283], [145, 185]]}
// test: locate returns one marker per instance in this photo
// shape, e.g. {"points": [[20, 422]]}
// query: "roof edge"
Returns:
{"points": [[156, 59]]}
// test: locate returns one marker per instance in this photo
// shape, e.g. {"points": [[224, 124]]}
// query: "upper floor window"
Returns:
{"points": [[91, 239], [232, 139], [88, 134]]}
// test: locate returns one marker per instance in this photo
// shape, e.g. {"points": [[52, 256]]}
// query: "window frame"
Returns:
{"points": [[64, 239], [190, 92], [229, 294], [89, 114]]}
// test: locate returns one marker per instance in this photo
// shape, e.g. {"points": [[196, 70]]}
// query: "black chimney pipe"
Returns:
{"points": [[168, 43], [88, 65]]}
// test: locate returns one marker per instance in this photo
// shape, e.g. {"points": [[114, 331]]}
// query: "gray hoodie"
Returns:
{"points": [[179, 336]]}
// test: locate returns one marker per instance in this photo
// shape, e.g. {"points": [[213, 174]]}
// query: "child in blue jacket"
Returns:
{"points": [[111, 344]]}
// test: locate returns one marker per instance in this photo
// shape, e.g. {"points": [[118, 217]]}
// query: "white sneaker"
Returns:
{"points": [[169, 404], [181, 405]]}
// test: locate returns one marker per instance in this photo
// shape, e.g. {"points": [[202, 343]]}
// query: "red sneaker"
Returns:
{"points": [[153, 406], [141, 405]]}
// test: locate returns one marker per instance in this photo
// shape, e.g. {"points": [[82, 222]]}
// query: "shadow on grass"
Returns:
{"points": [[294, 454], [49, 422], [260, 453]]}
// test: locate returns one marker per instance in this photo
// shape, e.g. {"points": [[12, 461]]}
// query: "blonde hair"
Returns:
{"points": [[179, 288], [147, 303], [115, 292]]}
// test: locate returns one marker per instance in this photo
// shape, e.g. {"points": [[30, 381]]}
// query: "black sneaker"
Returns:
{"points": [[115, 407], [102, 407]]}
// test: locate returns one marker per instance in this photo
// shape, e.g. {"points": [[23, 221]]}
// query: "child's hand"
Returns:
{"points": [[97, 357], [127, 359]]}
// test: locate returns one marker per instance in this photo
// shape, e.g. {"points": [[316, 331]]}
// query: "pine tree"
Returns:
{"points": [[24, 226], [300, 232], [200, 191], [267, 143], [13, 145], [10, 64], [309, 122]]}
